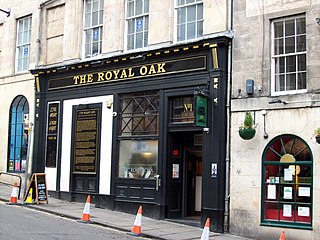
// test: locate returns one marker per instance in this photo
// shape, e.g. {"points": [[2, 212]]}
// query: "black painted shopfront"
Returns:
{"points": [[160, 157]]}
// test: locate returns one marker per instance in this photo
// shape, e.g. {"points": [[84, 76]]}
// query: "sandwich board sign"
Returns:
{"points": [[39, 185]]}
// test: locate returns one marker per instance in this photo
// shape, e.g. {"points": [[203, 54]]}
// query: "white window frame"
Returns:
{"points": [[196, 2], [144, 31], [274, 57], [91, 28], [25, 44]]}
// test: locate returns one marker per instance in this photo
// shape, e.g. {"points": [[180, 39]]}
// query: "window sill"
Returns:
{"points": [[286, 225]]}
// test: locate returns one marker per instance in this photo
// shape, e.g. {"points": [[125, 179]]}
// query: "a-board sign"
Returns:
{"points": [[39, 185]]}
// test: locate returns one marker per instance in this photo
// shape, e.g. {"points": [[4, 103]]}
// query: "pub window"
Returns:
{"points": [[18, 134], [287, 183], [93, 21], [181, 110], [138, 135]]}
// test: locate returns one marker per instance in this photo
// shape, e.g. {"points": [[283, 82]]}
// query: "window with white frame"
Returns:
{"points": [[289, 55], [137, 23], [23, 44], [93, 21], [189, 15]]}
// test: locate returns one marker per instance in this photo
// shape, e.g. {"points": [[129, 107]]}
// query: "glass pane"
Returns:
{"points": [[301, 43], [200, 29], [88, 36], [20, 38], [271, 211], [95, 5], [130, 9], [278, 46], [291, 64], [138, 159], [131, 24], [138, 7], [301, 25], [130, 42], [191, 27], [181, 32], [146, 23], [25, 63], [189, 1], [145, 41], [95, 48], [88, 6], [146, 6], [95, 18], [100, 17], [87, 50], [20, 26], [199, 11], [181, 15], [280, 83], [302, 62], [279, 65], [290, 45], [302, 80], [139, 24], [191, 13], [87, 22], [139, 40], [181, 110], [291, 82], [278, 29], [181, 2], [289, 27]]}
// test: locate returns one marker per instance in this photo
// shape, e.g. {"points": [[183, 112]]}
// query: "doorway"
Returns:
{"points": [[185, 177]]}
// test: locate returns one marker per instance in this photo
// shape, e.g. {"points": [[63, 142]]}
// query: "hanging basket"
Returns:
{"points": [[318, 139], [247, 133]]}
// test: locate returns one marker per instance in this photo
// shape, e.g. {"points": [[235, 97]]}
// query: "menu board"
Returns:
{"points": [[39, 185], [52, 134], [86, 140]]}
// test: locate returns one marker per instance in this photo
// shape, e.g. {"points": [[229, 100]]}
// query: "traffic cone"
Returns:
{"points": [[136, 229], [206, 232], [86, 212], [29, 199], [282, 236], [14, 194]]}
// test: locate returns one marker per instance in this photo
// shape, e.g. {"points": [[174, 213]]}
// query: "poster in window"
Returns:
{"points": [[287, 192], [175, 170], [52, 134], [304, 191], [303, 211], [271, 191], [86, 140], [287, 210]]}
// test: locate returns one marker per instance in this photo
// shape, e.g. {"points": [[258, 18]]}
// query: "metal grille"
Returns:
{"points": [[139, 114]]}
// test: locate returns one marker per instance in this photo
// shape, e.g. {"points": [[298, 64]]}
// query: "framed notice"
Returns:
{"points": [[52, 134]]}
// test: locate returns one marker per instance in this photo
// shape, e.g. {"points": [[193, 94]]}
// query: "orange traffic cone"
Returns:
{"points": [[282, 236], [136, 229], [14, 194], [206, 232], [86, 212]]}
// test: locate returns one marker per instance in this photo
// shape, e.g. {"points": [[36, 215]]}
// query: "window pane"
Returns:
{"points": [[302, 80], [130, 8], [139, 40], [146, 6], [279, 65], [301, 25], [181, 2], [181, 15], [280, 83], [87, 22], [191, 30], [301, 43], [291, 64], [131, 24], [95, 18], [302, 62], [138, 159], [278, 46], [145, 41], [199, 11], [189, 1], [181, 33], [139, 24], [291, 82], [200, 29], [130, 42], [290, 45], [88, 6], [100, 17], [278, 29], [289, 27], [191, 13], [138, 7], [95, 6], [146, 23]]}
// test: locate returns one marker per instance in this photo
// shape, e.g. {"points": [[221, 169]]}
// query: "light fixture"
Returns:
{"points": [[265, 134], [318, 20], [277, 100]]}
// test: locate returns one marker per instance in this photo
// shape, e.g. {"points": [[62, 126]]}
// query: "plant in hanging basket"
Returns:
{"points": [[317, 135], [247, 131]]}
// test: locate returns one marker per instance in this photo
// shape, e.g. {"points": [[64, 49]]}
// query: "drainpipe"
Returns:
{"points": [[226, 198]]}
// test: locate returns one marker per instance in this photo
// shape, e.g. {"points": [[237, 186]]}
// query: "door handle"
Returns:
{"points": [[158, 181]]}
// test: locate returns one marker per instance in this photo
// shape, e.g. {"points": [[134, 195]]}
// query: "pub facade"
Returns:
{"points": [[145, 128]]}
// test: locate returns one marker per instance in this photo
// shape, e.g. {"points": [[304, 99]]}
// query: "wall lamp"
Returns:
{"points": [[62, 69], [277, 100], [97, 63], [318, 21], [7, 12]]}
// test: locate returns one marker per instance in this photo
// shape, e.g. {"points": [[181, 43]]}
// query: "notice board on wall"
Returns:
{"points": [[39, 186]]}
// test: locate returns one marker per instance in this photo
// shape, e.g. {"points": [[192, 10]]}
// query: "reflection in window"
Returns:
{"points": [[287, 182], [18, 134], [138, 159]]}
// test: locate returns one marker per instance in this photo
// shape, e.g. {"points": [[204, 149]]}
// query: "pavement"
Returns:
{"points": [[151, 228]]}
